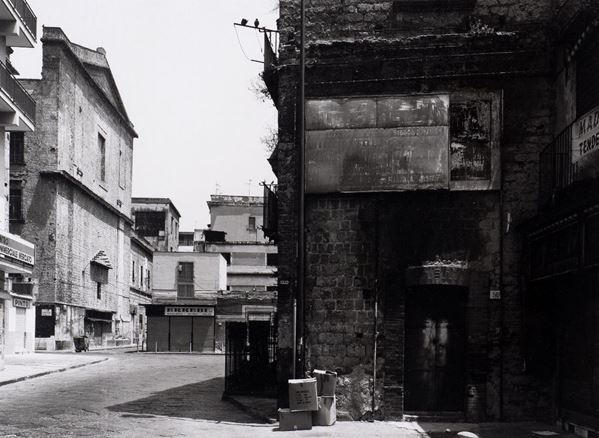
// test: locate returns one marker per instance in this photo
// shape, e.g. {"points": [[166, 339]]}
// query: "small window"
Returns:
{"points": [[141, 276], [272, 259], [15, 206], [102, 152], [252, 223], [99, 291], [17, 148], [149, 284], [133, 273]]}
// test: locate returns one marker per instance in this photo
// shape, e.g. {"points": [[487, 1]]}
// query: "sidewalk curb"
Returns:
{"points": [[45, 373], [249, 410]]}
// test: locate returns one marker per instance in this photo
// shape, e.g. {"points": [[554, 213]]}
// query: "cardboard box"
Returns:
{"points": [[289, 420], [326, 381], [302, 395], [326, 415]]}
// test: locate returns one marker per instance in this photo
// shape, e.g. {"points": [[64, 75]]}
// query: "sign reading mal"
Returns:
{"points": [[189, 311], [585, 135]]}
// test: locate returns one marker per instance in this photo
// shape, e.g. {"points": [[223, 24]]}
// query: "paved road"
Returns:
{"points": [[160, 395], [131, 394]]}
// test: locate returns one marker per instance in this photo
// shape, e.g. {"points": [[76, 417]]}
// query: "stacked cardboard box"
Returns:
{"points": [[311, 402]]}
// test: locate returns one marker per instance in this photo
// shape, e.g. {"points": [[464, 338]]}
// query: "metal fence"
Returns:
{"points": [[26, 14], [17, 93], [251, 358]]}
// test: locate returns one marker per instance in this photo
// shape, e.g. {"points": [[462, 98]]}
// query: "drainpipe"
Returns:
{"points": [[376, 305], [301, 213]]}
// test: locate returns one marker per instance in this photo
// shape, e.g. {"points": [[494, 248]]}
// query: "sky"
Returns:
{"points": [[187, 86]]}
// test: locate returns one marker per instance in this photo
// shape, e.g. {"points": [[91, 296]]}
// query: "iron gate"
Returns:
{"points": [[251, 358]]}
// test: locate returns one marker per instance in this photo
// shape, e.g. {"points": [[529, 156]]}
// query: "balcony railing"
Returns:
{"points": [[23, 288], [17, 93], [26, 14]]}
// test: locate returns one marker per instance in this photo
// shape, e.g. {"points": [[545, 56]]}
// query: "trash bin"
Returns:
{"points": [[81, 343]]}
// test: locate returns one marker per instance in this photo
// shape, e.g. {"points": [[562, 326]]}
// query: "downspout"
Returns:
{"points": [[376, 306], [501, 283], [300, 292]]}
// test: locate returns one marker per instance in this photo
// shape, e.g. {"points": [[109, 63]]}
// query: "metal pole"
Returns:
{"points": [[301, 212], [294, 338]]}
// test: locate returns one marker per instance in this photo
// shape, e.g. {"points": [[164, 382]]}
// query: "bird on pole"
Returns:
{"points": [[244, 22], [256, 23]]}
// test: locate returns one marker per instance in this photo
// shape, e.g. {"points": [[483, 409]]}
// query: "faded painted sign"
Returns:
{"points": [[470, 140], [377, 144], [585, 136]]}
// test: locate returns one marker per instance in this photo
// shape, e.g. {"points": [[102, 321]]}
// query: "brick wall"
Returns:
{"points": [[349, 55]]}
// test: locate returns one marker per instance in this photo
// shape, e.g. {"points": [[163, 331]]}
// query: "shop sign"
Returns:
{"points": [[19, 302], [46, 312], [14, 247], [189, 311], [585, 135]]}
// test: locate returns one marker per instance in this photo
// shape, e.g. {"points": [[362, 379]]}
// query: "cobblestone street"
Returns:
{"points": [[168, 395]]}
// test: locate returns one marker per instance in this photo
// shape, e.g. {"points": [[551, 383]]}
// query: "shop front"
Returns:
{"points": [[180, 328], [17, 313]]}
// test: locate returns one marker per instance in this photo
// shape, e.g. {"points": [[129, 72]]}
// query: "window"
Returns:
{"points": [[149, 284], [133, 272], [185, 285], [102, 151], [99, 291], [252, 223], [587, 69], [17, 148], [272, 259], [15, 206], [141, 276]]}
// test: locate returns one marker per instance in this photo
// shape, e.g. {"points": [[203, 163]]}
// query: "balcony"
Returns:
{"points": [[19, 99], [569, 166], [26, 14], [18, 23]]}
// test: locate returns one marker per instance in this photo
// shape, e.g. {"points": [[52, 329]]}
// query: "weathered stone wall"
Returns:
{"points": [[370, 48]]}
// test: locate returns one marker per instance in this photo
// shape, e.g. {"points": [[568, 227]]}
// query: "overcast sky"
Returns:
{"points": [[186, 85]]}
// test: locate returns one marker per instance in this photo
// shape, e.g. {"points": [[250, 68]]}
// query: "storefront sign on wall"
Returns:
{"points": [[189, 311], [18, 302], [15, 248], [585, 136]]}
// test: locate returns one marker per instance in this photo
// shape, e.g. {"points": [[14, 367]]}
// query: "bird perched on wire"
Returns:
{"points": [[244, 22], [256, 23]]}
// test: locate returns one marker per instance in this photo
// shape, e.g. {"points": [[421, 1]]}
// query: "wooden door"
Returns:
{"points": [[434, 361]]}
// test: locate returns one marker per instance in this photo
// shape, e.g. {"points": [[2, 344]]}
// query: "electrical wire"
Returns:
{"points": [[240, 45]]}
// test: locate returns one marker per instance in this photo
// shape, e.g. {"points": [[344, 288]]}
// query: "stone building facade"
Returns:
{"points": [[140, 287], [75, 195], [424, 123]]}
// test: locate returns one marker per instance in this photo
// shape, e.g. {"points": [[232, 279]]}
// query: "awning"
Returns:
{"points": [[109, 321], [98, 315], [102, 259]]}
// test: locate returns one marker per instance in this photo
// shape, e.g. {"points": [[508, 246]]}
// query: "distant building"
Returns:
{"points": [[181, 317], [17, 110], [71, 195], [140, 285], [186, 241], [236, 233], [157, 220]]}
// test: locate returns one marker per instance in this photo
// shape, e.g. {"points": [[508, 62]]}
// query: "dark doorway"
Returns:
{"points": [[435, 339]]}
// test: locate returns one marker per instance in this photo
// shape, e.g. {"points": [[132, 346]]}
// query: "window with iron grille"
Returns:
{"points": [[15, 208], [17, 148]]}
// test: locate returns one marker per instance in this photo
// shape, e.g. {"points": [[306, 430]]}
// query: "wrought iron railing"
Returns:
{"points": [[26, 14], [556, 171], [23, 288], [20, 97]]}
